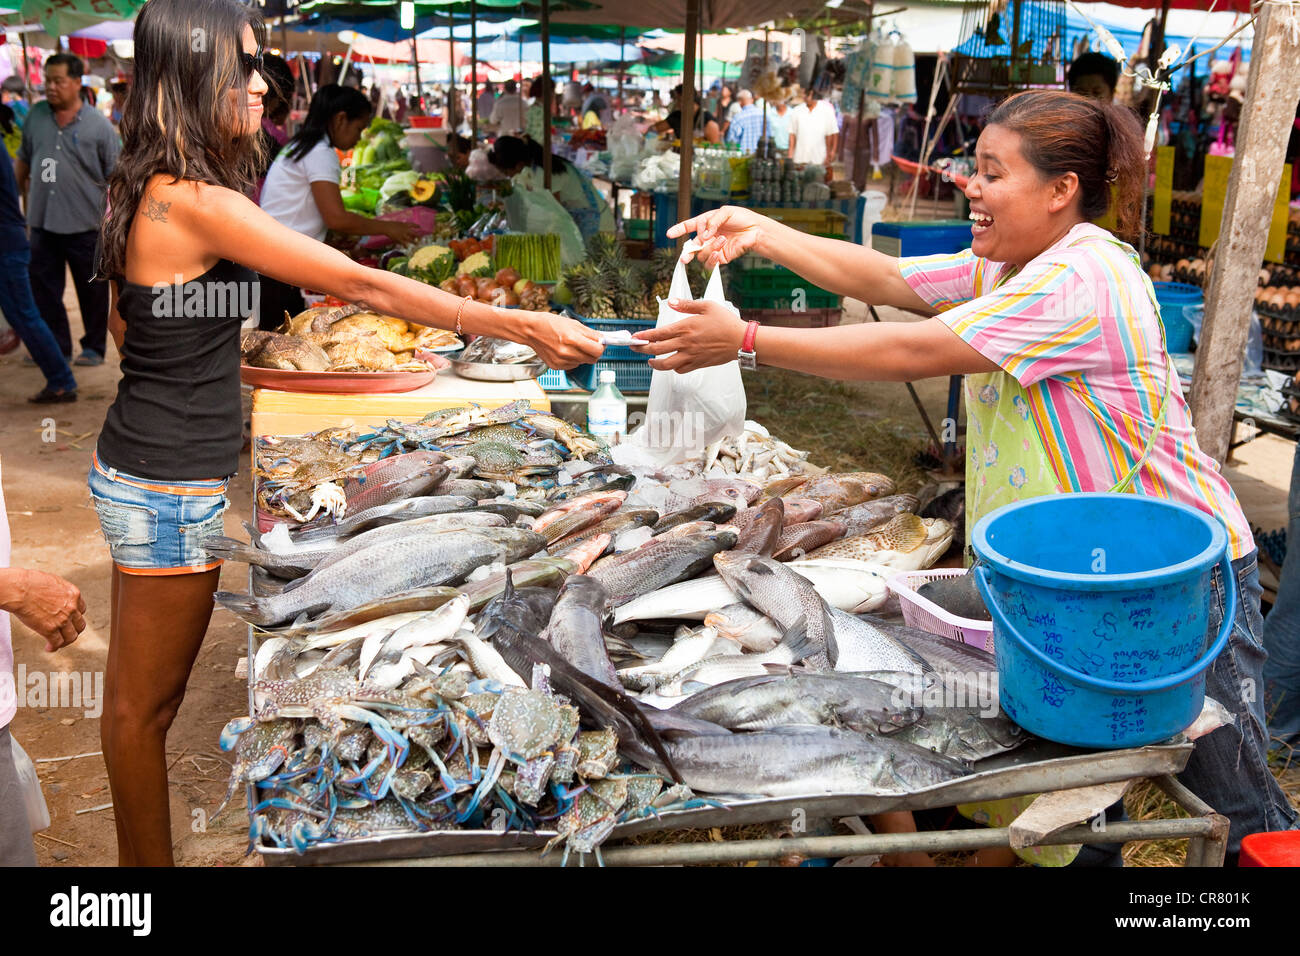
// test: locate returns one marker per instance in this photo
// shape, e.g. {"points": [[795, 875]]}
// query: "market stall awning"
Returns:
{"points": [[509, 49], [671, 14], [62, 17]]}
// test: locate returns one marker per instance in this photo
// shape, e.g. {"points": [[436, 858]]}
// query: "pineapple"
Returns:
{"points": [[628, 289], [605, 251]]}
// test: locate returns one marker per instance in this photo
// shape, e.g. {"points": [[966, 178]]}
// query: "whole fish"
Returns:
{"points": [[762, 534], [802, 760], [435, 627], [715, 511], [861, 646], [516, 543], [658, 564], [383, 514], [796, 511], [735, 491], [591, 511], [289, 566], [903, 533], [575, 629], [752, 630], [471, 488], [417, 561], [690, 600], [870, 515], [733, 664], [688, 529], [839, 491], [485, 660], [798, 541], [690, 648], [329, 629], [848, 585], [624, 520], [956, 595], [833, 700], [971, 668], [782, 595], [580, 503]]}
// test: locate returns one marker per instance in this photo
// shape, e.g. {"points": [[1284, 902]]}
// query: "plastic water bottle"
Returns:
{"points": [[607, 410]]}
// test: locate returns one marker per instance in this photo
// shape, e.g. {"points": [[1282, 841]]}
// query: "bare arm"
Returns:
{"points": [[874, 351], [230, 226], [338, 219], [844, 268]]}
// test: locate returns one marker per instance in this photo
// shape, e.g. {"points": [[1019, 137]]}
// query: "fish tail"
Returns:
{"points": [[796, 642], [232, 549], [246, 606]]}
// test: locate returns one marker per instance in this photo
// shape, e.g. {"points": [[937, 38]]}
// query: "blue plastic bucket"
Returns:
{"points": [[1100, 605], [1174, 298]]}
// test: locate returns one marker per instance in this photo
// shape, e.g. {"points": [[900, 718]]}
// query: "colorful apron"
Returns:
{"points": [[1006, 462]]}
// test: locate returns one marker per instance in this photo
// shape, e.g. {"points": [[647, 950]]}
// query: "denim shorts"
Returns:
{"points": [[155, 527]]}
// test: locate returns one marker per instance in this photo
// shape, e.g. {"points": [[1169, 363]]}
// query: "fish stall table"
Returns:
{"points": [[1039, 767], [297, 413]]}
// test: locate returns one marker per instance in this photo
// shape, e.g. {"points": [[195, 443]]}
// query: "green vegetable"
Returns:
{"points": [[432, 264], [478, 265], [535, 257], [399, 265]]}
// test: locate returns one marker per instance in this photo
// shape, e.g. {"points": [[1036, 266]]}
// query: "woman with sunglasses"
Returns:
{"points": [[180, 231]]}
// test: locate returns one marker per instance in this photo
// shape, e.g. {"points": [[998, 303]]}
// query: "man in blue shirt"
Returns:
{"points": [[68, 151], [16, 291], [747, 125]]}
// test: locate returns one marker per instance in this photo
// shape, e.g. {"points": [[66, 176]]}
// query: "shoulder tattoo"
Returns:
{"points": [[157, 211]]}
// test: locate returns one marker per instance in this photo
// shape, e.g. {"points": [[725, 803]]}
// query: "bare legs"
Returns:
{"points": [[157, 629]]}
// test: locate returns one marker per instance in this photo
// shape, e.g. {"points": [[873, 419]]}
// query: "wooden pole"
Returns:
{"points": [[548, 103], [453, 106], [415, 63], [687, 107], [1272, 90], [766, 33], [473, 70], [1158, 36]]}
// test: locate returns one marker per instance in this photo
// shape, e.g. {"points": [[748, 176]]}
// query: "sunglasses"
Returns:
{"points": [[251, 63]]}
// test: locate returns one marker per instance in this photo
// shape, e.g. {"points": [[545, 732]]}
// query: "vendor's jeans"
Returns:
{"points": [[1282, 637], [20, 310], [1229, 767]]}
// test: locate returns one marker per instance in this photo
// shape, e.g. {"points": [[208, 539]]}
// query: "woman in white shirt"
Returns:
{"points": [[302, 188]]}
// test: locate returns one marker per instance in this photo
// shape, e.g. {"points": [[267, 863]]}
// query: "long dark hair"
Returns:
{"points": [[329, 101], [178, 120], [1099, 142], [509, 151]]}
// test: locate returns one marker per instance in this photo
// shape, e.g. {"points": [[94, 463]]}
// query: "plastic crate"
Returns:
{"points": [[819, 221], [638, 229], [814, 299], [630, 377], [921, 238], [620, 353], [928, 616], [555, 380]]}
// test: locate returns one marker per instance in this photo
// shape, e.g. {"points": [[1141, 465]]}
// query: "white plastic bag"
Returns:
{"points": [[38, 814], [687, 412], [537, 211]]}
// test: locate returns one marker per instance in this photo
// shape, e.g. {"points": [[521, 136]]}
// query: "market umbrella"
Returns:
{"points": [[62, 17]]}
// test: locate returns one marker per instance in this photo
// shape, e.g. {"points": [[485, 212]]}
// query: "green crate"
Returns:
{"points": [[784, 301], [637, 229], [775, 289]]}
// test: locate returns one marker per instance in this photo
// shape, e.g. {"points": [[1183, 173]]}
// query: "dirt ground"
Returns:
{"points": [[54, 529]]}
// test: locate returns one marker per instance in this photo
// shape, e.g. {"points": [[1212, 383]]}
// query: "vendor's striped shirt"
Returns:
{"points": [[1078, 330]]}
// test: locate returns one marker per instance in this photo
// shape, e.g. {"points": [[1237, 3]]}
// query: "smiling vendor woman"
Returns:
{"points": [[1068, 383]]}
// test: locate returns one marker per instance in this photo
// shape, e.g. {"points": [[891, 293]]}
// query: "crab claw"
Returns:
{"points": [[303, 834], [496, 763], [230, 733]]}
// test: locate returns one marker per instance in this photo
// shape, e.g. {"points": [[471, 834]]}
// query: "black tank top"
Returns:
{"points": [[177, 413]]}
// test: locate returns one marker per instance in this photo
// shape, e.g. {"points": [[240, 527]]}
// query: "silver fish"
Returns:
{"points": [[834, 700], [575, 629], [658, 564], [801, 760], [417, 561], [753, 630], [384, 514], [784, 596], [861, 646]]}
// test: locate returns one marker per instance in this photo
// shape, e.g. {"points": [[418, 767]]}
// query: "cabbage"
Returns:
{"points": [[398, 183]]}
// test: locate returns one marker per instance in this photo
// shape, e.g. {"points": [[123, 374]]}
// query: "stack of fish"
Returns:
{"points": [[755, 455], [568, 651]]}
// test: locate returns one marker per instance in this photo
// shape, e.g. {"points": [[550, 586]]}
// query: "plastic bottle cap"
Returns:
{"points": [[607, 376]]}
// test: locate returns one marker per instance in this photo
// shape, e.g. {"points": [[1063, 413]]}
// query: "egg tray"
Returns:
{"points": [[1281, 361]]}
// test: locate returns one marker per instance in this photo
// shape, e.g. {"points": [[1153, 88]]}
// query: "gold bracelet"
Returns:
{"points": [[465, 301]]}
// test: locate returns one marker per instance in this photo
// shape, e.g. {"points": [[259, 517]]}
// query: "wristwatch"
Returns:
{"points": [[746, 355]]}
